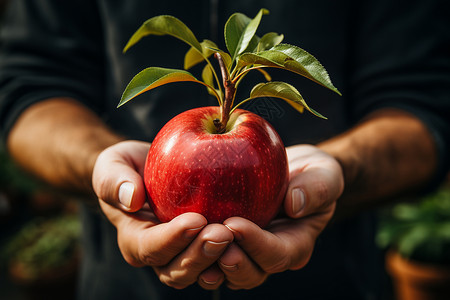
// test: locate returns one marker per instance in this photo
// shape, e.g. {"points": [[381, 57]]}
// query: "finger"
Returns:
{"points": [[313, 188], [240, 271], [288, 244], [116, 177], [310, 192], [160, 244], [203, 252], [145, 242], [211, 278]]}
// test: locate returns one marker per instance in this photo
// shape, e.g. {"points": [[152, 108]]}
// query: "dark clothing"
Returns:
{"points": [[379, 53]]}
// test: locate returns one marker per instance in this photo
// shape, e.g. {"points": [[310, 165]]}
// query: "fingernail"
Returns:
{"points": [[298, 201], [209, 282], [237, 235], [214, 248], [126, 192], [190, 233], [229, 268]]}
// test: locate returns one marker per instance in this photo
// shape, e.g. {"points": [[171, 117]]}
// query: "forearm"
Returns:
{"points": [[390, 154], [58, 140]]}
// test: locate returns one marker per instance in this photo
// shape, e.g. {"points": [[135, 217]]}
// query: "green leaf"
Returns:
{"points": [[283, 91], [291, 58], [162, 25], [194, 57], [269, 40], [443, 230], [225, 57], [240, 32], [406, 212], [413, 238], [265, 58], [305, 61], [207, 75], [233, 31], [154, 77], [250, 31], [208, 79]]}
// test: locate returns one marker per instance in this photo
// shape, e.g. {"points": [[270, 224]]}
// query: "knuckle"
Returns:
{"points": [[152, 259], [138, 256], [300, 264], [185, 275], [177, 280], [301, 260], [280, 265], [172, 282], [131, 261], [191, 264], [322, 191], [102, 188], [321, 196]]}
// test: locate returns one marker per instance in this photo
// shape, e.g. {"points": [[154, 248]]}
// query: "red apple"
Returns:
{"points": [[191, 168], [222, 161]]}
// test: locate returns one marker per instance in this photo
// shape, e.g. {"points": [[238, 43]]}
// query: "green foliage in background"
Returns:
{"points": [[12, 178], [44, 244], [421, 230]]}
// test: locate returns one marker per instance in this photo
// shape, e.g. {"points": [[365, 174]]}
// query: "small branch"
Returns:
{"points": [[242, 74], [230, 91], [223, 68]]}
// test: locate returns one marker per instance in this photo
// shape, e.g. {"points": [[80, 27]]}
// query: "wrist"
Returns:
{"points": [[104, 139], [346, 158]]}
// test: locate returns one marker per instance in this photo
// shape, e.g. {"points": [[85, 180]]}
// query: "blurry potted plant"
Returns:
{"points": [[43, 256], [417, 236], [15, 187]]}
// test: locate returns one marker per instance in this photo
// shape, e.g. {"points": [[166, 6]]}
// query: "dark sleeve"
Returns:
{"points": [[49, 48], [401, 59]]}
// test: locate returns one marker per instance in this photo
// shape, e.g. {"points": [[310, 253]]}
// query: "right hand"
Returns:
{"points": [[182, 251]]}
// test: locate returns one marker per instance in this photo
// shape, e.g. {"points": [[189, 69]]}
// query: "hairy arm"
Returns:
{"points": [[389, 154], [58, 140]]}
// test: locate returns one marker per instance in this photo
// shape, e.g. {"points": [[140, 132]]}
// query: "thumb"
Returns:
{"points": [[314, 190], [116, 176]]}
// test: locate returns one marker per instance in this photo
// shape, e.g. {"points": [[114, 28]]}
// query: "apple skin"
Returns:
{"points": [[243, 172]]}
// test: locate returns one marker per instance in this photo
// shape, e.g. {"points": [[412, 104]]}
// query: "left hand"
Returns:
{"points": [[316, 182], [179, 250]]}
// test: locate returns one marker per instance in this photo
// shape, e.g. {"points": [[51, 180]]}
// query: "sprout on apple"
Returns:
{"points": [[246, 52], [222, 188]]}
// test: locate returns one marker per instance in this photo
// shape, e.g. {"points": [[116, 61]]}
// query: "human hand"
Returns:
{"points": [[316, 181], [182, 251]]}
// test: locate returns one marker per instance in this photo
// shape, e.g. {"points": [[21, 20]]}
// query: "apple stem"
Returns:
{"points": [[230, 91]]}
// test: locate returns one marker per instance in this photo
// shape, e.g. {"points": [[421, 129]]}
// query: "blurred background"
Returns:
{"points": [[39, 238]]}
